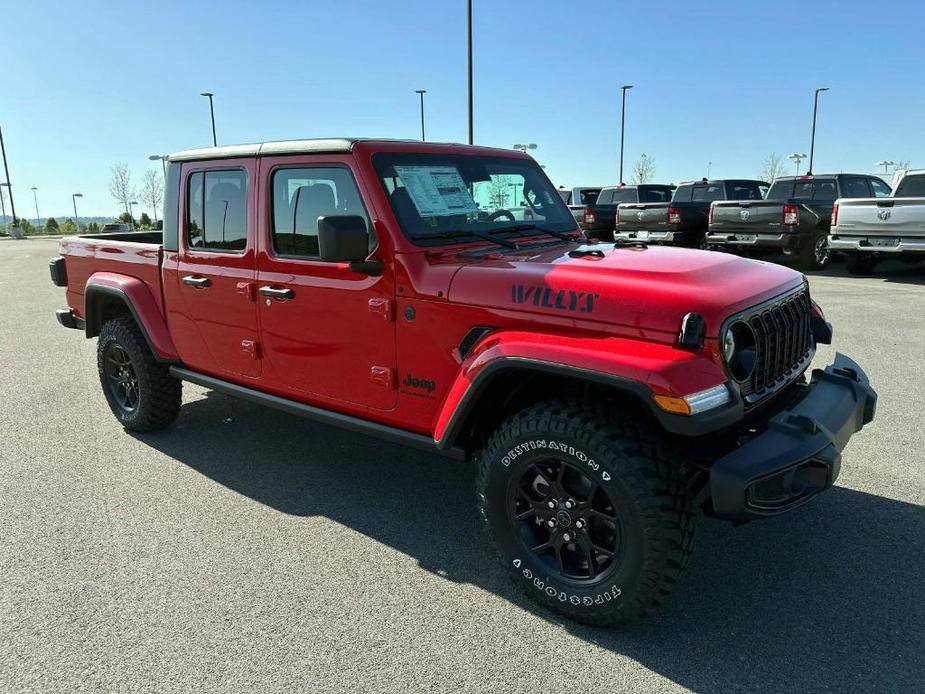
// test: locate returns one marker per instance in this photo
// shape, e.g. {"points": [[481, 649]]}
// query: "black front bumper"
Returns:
{"points": [[799, 455]]}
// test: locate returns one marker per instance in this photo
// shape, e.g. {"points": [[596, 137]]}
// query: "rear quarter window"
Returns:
{"points": [[911, 187], [682, 194]]}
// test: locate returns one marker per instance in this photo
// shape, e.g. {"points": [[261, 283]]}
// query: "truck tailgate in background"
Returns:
{"points": [[884, 217], [637, 216], [747, 216]]}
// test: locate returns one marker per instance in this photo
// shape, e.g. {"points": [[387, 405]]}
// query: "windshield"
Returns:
{"points": [[803, 189], [435, 195]]}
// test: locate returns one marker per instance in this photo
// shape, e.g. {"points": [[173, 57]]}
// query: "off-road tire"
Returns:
{"points": [[159, 395], [642, 477], [860, 263]]}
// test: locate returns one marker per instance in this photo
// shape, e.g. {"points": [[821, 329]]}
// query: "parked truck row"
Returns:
{"points": [[805, 217]]}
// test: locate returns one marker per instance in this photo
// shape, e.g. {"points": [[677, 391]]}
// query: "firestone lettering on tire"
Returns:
{"points": [[543, 585]]}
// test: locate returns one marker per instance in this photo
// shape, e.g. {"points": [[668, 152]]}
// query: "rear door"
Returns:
{"points": [[214, 323], [325, 331]]}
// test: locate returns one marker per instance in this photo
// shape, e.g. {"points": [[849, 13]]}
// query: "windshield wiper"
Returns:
{"points": [[531, 226], [458, 233]]}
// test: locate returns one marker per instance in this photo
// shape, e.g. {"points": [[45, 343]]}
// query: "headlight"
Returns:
{"points": [[729, 345], [739, 350]]}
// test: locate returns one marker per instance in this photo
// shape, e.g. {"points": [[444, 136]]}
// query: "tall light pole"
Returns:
{"points": [[812, 141], [74, 197], [469, 17], [624, 89], [163, 159], [35, 196], [131, 212], [524, 148], [422, 92], [9, 186], [885, 164], [209, 96], [796, 158]]}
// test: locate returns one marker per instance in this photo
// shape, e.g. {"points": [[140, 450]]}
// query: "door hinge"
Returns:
{"points": [[250, 347], [383, 376], [381, 307], [246, 289]]}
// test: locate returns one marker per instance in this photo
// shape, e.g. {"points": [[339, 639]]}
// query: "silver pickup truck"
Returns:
{"points": [[869, 229]]}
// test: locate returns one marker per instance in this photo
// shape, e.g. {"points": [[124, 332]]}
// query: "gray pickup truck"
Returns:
{"points": [[578, 198], [869, 229], [794, 216]]}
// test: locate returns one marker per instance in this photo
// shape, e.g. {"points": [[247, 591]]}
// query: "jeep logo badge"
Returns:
{"points": [[883, 215], [744, 215]]}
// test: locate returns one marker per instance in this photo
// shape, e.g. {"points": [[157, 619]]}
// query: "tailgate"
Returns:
{"points": [[889, 217], [747, 216], [642, 216]]}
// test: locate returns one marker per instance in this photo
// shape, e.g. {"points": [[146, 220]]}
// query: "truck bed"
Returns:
{"points": [[136, 254]]}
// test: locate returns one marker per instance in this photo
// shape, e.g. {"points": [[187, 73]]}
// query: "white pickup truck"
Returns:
{"points": [[868, 229]]}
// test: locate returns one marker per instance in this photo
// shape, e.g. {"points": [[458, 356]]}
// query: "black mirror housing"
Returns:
{"points": [[343, 238]]}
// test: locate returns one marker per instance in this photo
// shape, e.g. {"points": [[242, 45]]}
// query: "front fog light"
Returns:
{"points": [[695, 403]]}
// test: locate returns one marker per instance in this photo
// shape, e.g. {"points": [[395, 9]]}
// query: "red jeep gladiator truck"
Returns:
{"points": [[608, 392]]}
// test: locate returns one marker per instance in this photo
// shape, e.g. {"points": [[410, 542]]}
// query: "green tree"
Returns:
{"points": [[51, 226], [25, 225], [68, 227], [144, 221], [93, 228], [124, 218]]}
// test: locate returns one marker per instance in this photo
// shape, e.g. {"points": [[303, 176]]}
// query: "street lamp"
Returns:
{"points": [[163, 159], [469, 55], [812, 141], [209, 95], [624, 89], [131, 213], [35, 196], [9, 188], [796, 159], [422, 92], [524, 148], [74, 197], [886, 163]]}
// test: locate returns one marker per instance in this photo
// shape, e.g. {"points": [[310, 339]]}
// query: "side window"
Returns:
{"points": [[301, 196], [911, 187], [605, 197], [881, 189], [855, 188], [216, 211]]}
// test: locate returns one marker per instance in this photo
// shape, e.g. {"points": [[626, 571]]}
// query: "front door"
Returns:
{"points": [[325, 330], [214, 324]]}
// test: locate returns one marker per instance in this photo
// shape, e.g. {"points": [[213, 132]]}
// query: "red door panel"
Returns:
{"points": [[334, 337]]}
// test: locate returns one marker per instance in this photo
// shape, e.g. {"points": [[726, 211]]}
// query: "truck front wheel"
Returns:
{"points": [[589, 512], [141, 392]]}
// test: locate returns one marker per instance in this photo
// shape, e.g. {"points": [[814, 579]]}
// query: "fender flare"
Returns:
{"points": [[137, 297], [653, 369]]}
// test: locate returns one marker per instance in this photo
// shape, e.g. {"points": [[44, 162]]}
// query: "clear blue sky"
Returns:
{"points": [[85, 85]]}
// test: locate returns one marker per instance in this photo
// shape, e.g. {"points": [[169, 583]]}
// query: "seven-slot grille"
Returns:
{"points": [[783, 340]]}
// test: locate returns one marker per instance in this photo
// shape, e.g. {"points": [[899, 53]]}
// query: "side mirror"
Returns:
{"points": [[342, 238], [345, 239]]}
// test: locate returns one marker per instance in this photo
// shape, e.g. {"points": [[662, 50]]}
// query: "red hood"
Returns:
{"points": [[643, 288]]}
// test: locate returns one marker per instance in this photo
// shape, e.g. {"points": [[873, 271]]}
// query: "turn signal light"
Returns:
{"points": [[674, 215], [791, 215], [670, 403]]}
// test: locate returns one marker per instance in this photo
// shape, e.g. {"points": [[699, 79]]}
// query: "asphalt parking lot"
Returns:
{"points": [[245, 550]]}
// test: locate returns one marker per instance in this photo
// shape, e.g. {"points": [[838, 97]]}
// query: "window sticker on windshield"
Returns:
{"points": [[437, 191]]}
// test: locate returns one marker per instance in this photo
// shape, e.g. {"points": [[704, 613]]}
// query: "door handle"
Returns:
{"points": [[193, 281], [274, 293]]}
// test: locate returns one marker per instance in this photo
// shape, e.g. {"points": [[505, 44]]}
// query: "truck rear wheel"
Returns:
{"points": [[587, 509], [814, 254], [141, 392], [860, 263]]}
